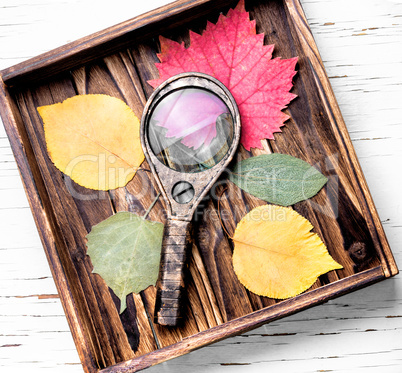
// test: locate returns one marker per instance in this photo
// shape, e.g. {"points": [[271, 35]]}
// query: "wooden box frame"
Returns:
{"points": [[118, 61]]}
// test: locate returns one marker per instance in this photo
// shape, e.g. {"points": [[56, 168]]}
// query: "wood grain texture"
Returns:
{"points": [[357, 260], [171, 294]]}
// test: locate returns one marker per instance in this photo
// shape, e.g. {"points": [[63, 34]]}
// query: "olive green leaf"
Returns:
{"points": [[278, 178], [125, 251]]}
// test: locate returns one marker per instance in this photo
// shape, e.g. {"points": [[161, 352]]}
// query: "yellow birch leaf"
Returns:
{"points": [[94, 139], [276, 254]]}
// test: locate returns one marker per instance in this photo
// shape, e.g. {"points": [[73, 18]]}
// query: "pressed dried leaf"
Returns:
{"points": [[278, 178], [276, 255], [235, 54], [125, 251], [94, 139]]}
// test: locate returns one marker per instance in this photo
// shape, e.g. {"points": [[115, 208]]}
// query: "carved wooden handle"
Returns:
{"points": [[171, 282]]}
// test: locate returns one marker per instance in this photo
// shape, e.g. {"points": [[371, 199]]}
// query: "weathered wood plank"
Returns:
{"points": [[45, 220], [102, 80], [66, 243], [94, 292]]}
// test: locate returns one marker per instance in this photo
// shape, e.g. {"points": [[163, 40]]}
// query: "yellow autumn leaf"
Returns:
{"points": [[276, 254], [94, 139]]}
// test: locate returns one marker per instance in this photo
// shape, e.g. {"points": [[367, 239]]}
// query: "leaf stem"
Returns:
{"points": [[152, 205]]}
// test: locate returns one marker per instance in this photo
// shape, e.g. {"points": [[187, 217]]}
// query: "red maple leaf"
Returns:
{"points": [[232, 52]]}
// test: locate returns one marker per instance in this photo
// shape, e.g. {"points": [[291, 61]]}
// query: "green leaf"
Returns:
{"points": [[125, 250], [278, 178]]}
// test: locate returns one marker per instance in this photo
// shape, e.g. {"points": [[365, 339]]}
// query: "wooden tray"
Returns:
{"points": [[118, 61]]}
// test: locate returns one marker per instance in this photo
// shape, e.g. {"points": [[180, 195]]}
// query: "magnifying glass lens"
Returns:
{"points": [[190, 130]]}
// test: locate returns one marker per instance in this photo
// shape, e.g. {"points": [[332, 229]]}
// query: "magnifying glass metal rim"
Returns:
{"points": [[163, 174], [171, 282]]}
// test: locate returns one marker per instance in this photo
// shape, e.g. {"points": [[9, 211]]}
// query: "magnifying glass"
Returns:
{"points": [[190, 130]]}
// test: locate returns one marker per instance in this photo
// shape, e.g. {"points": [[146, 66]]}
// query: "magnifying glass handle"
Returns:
{"points": [[171, 282]]}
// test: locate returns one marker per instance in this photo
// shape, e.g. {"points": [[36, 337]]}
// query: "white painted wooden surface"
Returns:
{"points": [[361, 46]]}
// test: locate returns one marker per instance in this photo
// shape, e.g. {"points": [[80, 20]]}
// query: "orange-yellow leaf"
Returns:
{"points": [[276, 254], [94, 139]]}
